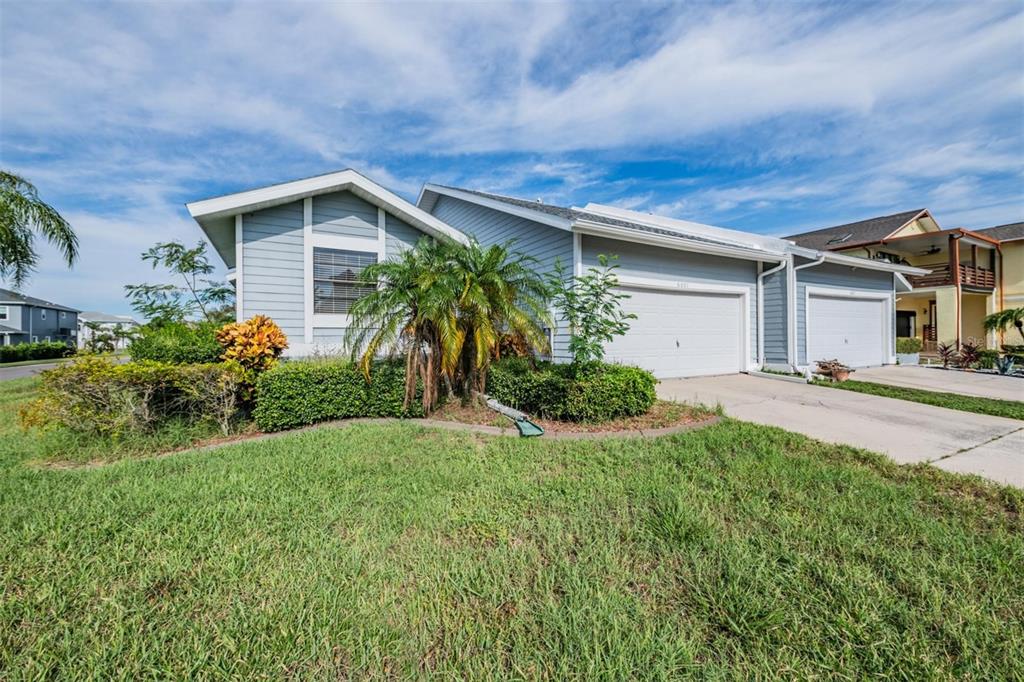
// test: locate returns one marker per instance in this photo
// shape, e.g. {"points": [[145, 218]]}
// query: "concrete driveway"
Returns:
{"points": [[908, 432], [947, 381]]}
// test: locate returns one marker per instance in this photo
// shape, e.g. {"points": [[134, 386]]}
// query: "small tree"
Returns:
{"points": [[101, 339], [592, 307], [1004, 319], [199, 296]]}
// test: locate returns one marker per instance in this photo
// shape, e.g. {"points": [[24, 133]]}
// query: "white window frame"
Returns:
{"points": [[888, 316], [35, 339], [5, 313], [42, 313], [63, 315]]}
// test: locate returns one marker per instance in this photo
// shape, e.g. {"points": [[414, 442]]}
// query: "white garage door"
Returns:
{"points": [[681, 334], [850, 329]]}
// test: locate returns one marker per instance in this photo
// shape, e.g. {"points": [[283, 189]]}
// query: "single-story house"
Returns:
{"points": [[708, 300], [26, 319], [91, 320]]}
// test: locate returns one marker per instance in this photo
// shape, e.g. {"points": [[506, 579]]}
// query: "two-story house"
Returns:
{"points": [[25, 319], [949, 304]]}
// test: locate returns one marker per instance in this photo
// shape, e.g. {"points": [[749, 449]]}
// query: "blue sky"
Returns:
{"points": [[773, 118]]}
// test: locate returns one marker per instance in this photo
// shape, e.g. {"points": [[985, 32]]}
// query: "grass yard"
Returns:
{"points": [[1013, 409], [736, 551]]}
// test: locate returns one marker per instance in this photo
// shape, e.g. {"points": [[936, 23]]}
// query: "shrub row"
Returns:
{"points": [[908, 345], [593, 393], [177, 343], [93, 394], [41, 350], [305, 392]]}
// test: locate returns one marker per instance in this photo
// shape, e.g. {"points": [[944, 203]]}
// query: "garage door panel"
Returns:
{"points": [[850, 329], [681, 333]]}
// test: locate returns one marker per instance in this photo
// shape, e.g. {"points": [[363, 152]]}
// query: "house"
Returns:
{"points": [[1010, 280], [25, 319], [949, 304], [708, 300], [92, 319]]}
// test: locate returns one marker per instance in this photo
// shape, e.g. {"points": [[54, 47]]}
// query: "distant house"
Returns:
{"points": [[25, 319], [972, 273], [92, 318]]}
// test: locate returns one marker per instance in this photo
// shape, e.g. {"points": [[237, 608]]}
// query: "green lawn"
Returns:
{"points": [[1013, 409], [736, 551]]}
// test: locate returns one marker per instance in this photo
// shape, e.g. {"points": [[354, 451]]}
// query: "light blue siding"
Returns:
{"points": [[343, 213], [272, 267], [776, 327], [543, 242], [643, 260], [399, 236], [832, 275]]}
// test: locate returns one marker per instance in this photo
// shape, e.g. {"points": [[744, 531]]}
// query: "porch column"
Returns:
{"points": [[947, 324]]}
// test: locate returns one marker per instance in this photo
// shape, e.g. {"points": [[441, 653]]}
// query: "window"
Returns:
{"points": [[42, 313], [335, 272], [63, 314], [35, 339], [5, 313]]}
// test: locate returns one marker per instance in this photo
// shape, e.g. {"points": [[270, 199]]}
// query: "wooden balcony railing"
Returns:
{"points": [[942, 275]]}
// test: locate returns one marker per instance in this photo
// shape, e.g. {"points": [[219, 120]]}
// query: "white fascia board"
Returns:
{"points": [[681, 242], [869, 264], [686, 227], [511, 209], [274, 195]]}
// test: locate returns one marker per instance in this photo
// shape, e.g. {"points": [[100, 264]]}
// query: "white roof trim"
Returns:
{"points": [[869, 264], [274, 195], [504, 207], [685, 227]]}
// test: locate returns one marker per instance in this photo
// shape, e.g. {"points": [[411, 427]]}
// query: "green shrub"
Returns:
{"points": [[987, 358], [592, 393], [40, 350], [305, 392], [908, 345], [1017, 351], [177, 343], [95, 395]]}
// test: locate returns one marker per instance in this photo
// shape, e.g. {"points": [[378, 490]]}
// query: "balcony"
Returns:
{"points": [[942, 275]]}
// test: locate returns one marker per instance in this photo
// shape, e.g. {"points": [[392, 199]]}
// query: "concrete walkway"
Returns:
{"points": [[945, 381], [908, 432]]}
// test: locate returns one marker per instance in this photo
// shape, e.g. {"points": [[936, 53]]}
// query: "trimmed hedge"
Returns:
{"points": [[908, 345], [303, 392], [594, 393], [178, 343], [41, 350]]}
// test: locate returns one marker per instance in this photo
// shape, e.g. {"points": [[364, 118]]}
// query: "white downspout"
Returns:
{"points": [[760, 310], [795, 355]]}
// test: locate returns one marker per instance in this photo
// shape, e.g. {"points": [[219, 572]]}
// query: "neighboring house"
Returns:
{"points": [[106, 322], [949, 304], [26, 319], [1011, 274], [708, 300]]}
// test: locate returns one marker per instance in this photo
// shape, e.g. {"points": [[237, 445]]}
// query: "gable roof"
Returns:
{"points": [[861, 232], [597, 216], [14, 298], [215, 215], [1010, 232]]}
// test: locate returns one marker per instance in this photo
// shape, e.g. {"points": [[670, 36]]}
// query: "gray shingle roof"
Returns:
{"points": [[11, 330], [6, 295], [1004, 233], [96, 316], [574, 214], [860, 232]]}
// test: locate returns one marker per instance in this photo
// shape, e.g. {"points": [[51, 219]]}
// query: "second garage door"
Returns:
{"points": [[681, 334], [850, 329]]}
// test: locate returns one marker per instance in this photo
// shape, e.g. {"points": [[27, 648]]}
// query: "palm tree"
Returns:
{"points": [[501, 294], [23, 215], [1003, 320], [412, 308], [445, 306]]}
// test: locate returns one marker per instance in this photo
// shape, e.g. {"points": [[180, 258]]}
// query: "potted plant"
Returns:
{"points": [[835, 369], [908, 351]]}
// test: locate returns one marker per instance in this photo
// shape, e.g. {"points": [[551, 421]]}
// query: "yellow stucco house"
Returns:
{"points": [[973, 273]]}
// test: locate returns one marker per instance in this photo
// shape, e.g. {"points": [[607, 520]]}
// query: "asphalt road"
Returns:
{"points": [[24, 370]]}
